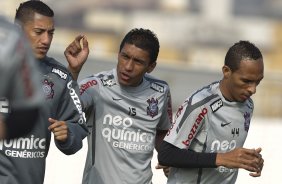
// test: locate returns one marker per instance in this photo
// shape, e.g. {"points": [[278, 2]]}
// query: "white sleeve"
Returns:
{"points": [[188, 122]]}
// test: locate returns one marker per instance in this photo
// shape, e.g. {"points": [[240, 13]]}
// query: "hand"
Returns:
{"points": [[260, 167], [77, 55], [59, 129], [249, 159], [166, 169]]}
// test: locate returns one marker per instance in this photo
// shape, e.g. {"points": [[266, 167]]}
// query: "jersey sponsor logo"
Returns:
{"points": [[247, 117], [48, 89], [60, 73], [195, 126], [153, 108], [157, 87], [216, 105], [223, 169], [118, 131], [76, 102], [108, 82], [85, 86], [224, 145], [4, 105], [223, 124], [24, 147]]}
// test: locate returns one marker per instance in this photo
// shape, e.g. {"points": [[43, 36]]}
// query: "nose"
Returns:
{"points": [[129, 65], [46, 38], [252, 88]]}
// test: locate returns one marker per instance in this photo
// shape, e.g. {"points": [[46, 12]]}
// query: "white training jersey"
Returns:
{"points": [[123, 123], [207, 122]]}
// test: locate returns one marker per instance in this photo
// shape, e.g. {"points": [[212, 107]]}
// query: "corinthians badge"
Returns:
{"points": [[48, 89], [153, 108]]}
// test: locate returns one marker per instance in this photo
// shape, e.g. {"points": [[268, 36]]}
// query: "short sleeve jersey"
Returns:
{"points": [[207, 122], [123, 123]]}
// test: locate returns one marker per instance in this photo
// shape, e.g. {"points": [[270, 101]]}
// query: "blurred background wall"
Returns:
{"points": [[194, 35]]}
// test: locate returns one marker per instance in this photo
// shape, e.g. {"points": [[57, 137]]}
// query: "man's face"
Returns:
{"points": [[40, 32], [242, 83], [133, 63]]}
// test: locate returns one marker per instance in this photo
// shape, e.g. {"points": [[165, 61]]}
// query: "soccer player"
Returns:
{"points": [[128, 112], [22, 160], [216, 120], [18, 83]]}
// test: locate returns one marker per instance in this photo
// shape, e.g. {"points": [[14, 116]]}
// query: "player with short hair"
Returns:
{"points": [[23, 159], [128, 112], [215, 121]]}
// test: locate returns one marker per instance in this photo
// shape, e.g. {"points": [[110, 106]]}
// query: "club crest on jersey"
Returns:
{"points": [[157, 87], [153, 108], [48, 89], [216, 105], [247, 118]]}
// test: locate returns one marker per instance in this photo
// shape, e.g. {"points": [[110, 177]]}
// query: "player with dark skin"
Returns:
{"points": [[236, 84], [39, 30], [242, 73]]}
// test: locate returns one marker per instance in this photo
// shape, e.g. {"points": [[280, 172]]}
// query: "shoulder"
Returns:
{"points": [[205, 94], [57, 68], [157, 84], [94, 80]]}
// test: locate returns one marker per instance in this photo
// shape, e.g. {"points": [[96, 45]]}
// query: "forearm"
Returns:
{"points": [[74, 74], [159, 138], [170, 155]]}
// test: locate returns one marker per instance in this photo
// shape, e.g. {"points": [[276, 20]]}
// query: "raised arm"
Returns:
{"points": [[77, 54]]}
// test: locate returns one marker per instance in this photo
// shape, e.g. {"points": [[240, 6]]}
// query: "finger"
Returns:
{"points": [[60, 132], [52, 121], [85, 43], [57, 126], [160, 166], [258, 150], [78, 38], [255, 174], [61, 137]]}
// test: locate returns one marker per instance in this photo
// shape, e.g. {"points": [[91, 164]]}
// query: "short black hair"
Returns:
{"points": [[26, 10], [144, 39], [240, 51]]}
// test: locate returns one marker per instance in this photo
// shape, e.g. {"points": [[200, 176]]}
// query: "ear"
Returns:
{"points": [[151, 67], [226, 71]]}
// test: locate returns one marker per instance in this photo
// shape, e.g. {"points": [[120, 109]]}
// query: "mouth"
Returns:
{"points": [[124, 76], [43, 49], [245, 97]]}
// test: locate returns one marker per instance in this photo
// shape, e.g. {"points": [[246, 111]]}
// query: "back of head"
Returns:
{"points": [[26, 11], [240, 51], [143, 39]]}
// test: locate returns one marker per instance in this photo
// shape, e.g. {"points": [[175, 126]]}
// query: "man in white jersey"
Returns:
{"points": [[18, 75], [128, 113], [216, 120]]}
